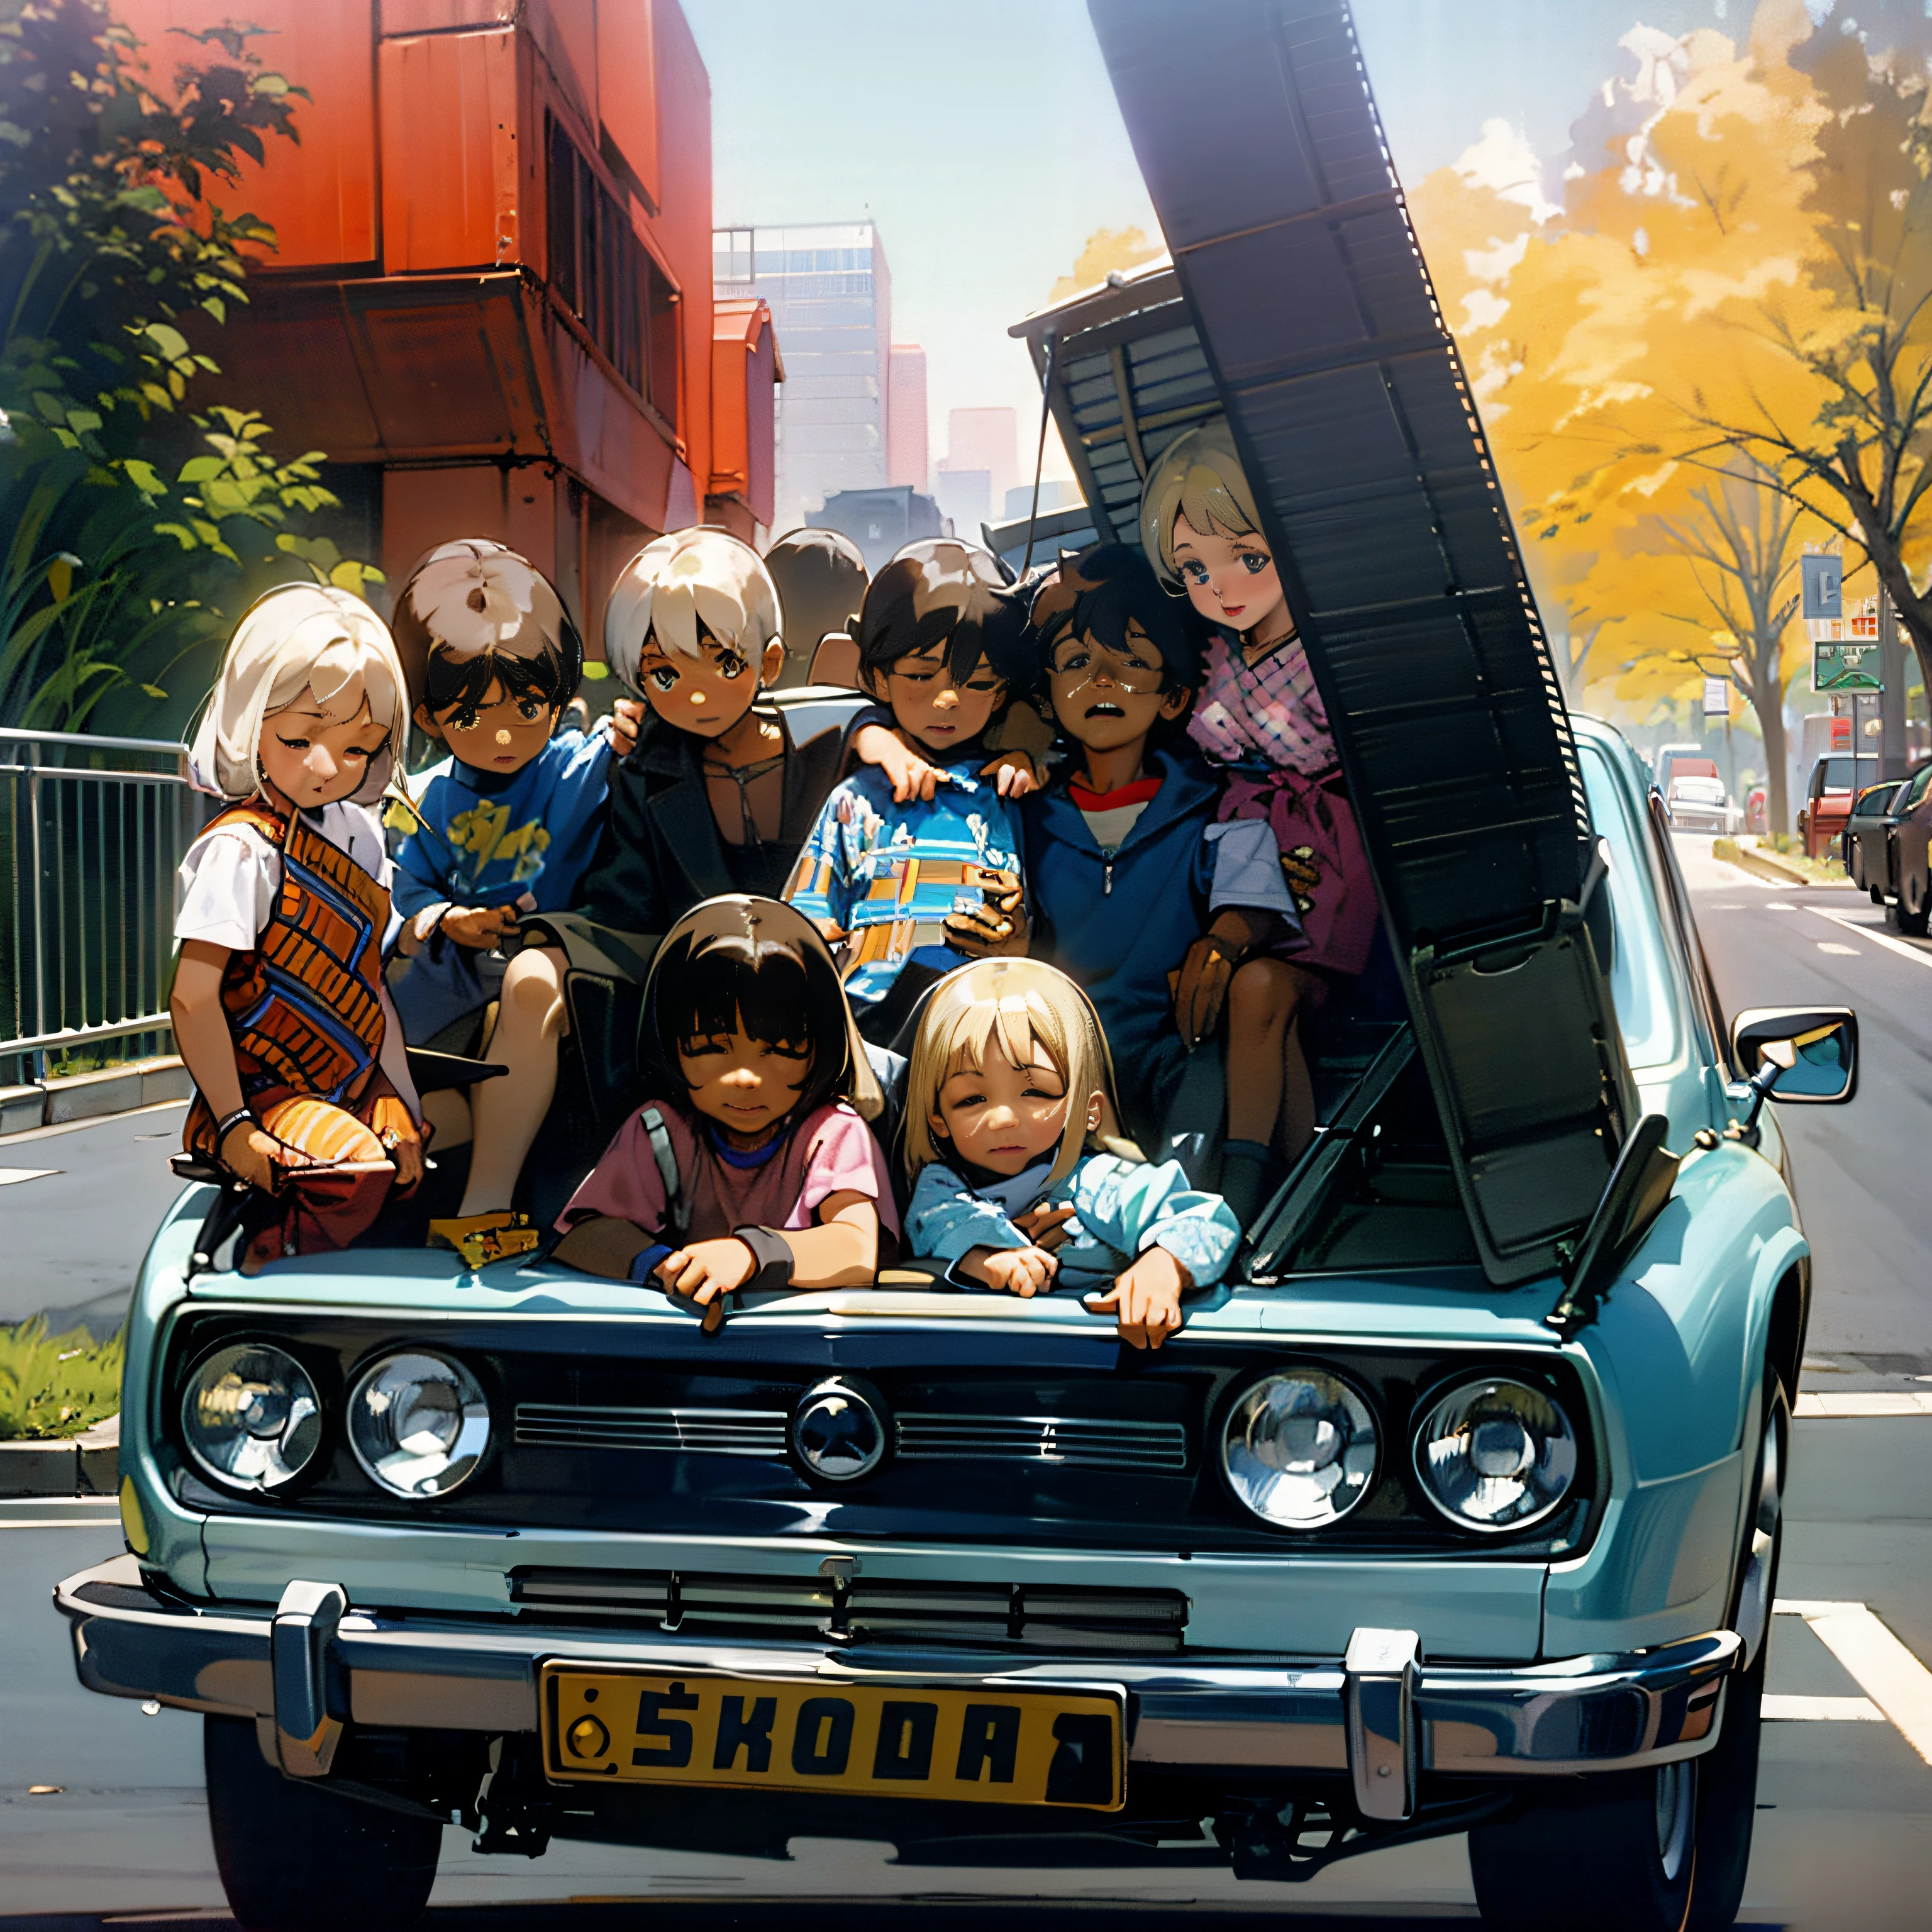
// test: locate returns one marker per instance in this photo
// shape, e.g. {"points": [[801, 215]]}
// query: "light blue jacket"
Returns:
{"points": [[1120, 1208]]}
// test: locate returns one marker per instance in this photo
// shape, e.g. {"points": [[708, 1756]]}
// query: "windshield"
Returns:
{"points": [[1838, 773], [1640, 972], [1707, 791]]}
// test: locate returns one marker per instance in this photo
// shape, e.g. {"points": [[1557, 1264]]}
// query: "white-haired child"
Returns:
{"points": [[1007, 1098], [717, 796], [302, 1089]]}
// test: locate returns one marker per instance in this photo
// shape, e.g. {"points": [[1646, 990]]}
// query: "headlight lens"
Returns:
{"points": [[251, 1417], [418, 1424], [1495, 1454], [1300, 1450]]}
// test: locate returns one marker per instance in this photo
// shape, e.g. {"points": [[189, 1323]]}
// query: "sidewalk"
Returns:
{"points": [[78, 1204]]}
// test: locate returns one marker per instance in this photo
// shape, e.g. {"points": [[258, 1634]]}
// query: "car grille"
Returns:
{"points": [[711, 1431], [1046, 1439], [1079, 1442], [863, 1610]]}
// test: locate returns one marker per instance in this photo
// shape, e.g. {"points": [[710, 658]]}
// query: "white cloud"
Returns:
{"points": [[1504, 162]]}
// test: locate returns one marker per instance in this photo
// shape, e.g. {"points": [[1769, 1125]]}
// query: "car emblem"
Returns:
{"points": [[839, 1431]]}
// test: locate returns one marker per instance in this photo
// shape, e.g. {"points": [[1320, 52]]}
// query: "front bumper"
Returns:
{"points": [[314, 1665]]}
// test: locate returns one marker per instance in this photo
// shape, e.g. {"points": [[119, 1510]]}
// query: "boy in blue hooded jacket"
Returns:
{"points": [[1169, 920]]}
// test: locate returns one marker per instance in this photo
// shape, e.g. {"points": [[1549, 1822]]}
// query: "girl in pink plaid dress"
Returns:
{"points": [[1258, 713]]}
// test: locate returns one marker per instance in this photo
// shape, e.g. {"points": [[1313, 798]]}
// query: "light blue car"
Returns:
{"points": [[1458, 1510]]}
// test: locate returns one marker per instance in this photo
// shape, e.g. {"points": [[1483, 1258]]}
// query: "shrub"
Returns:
{"points": [[52, 1386]]}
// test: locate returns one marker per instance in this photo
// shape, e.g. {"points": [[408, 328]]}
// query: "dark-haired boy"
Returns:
{"points": [[505, 826], [1135, 888], [942, 640]]}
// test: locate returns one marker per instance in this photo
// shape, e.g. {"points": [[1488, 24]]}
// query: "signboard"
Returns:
{"points": [[1716, 698], [1823, 577], [1845, 667]]}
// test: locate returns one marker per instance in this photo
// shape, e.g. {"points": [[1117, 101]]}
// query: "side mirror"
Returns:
{"points": [[1808, 1054]]}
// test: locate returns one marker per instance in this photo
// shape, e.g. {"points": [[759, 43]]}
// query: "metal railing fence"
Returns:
{"points": [[92, 830]]}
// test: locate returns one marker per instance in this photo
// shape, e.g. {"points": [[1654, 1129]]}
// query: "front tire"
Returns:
{"points": [[1911, 910], [1616, 1854], [296, 1858]]}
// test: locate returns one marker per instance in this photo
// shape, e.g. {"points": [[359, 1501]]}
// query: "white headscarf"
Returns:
{"points": [[298, 638]]}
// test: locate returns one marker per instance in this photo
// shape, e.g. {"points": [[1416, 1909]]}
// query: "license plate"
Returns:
{"points": [[984, 1744]]}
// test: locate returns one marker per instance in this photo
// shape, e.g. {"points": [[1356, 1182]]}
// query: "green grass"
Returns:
{"points": [[52, 1386]]}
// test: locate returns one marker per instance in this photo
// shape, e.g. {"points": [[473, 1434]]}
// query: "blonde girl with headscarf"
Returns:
{"points": [[302, 1088]]}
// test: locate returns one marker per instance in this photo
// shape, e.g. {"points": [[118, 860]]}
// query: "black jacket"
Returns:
{"points": [[660, 854]]}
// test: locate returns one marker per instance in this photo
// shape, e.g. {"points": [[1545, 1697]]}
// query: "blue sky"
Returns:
{"points": [[984, 139]]}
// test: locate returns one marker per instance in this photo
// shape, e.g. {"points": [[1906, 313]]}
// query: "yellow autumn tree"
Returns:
{"points": [[1684, 368], [1104, 250]]}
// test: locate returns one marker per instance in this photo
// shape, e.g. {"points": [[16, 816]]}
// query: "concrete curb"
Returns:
{"points": [[1761, 863], [88, 1464], [87, 1096]]}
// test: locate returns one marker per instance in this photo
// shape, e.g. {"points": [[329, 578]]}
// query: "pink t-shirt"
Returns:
{"points": [[831, 1151]]}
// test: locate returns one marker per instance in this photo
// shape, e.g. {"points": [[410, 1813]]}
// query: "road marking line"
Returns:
{"points": [[1865, 931], [1786, 1710], [11, 1176], [1832, 945], [66, 1522], [1866, 1402], [1883, 1668]]}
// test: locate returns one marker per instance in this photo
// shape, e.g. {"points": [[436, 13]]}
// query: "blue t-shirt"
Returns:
{"points": [[888, 874], [525, 840]]}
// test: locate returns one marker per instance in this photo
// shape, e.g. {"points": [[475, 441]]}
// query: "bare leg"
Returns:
{"points": [[1271, 1095], [507, 1111]]}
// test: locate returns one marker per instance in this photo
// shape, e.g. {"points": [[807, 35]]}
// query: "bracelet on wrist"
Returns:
{"points": [[229, 1123], [771, 1254]]}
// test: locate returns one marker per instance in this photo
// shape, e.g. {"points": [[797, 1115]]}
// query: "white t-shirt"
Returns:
{"points": [[227, 884]]}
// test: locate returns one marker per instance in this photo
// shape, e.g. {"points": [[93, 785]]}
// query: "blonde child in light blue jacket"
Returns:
{"points": [[1007, 1096]]}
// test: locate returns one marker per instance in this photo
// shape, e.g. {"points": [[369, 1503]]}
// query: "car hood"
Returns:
{"points": [[1296, 305]]}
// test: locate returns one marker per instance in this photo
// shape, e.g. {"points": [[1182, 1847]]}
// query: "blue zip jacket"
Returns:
{"points": [[1120, 925]]}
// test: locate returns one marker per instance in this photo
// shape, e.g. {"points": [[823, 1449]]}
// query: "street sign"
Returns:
{"points": [[1822, 578], [1845, 667], [1716, 698]]}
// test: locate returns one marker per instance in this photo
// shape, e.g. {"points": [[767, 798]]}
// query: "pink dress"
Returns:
{"points": [[1270, 714]]}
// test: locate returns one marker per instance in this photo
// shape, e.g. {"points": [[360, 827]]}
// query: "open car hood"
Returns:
{"points": [[1296, 303]]}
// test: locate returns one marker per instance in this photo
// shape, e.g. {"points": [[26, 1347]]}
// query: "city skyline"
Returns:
{"points": [[828, 114]]}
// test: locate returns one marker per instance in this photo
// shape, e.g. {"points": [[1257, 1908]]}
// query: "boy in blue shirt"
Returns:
{"points": [[889, 880], [505, 826]]}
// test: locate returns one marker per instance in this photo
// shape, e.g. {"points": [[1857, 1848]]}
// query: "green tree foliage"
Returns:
{"points": [[138, 522], [56, 1385]]}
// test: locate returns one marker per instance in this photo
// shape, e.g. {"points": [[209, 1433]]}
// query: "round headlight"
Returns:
{"points": [[250, 1417], [418, 1424], [1300, 1450], [1495, 1454]]}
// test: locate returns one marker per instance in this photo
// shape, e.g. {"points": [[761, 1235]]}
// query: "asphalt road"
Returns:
{"points": [[1844, 1840]]}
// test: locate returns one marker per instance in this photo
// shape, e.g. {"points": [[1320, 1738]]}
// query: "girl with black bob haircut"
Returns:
{"points": [[753, 1166]]}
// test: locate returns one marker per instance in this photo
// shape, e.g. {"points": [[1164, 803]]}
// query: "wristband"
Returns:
{"points": [[229, 1123], [646, 1265], [772, 1253]]}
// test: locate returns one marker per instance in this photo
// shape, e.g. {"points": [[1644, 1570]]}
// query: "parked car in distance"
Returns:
{"points": [[1699, 804], [1897, 866], [1673, 762], [1862, 845], [1828, 800]]}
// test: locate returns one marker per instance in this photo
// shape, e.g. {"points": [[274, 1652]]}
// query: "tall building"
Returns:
{"points": [[831, 300], [906, 459], [986, 440]]}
